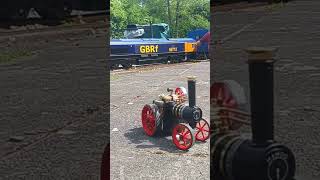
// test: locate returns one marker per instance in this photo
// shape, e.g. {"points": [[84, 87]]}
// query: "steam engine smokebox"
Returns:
{"points": [[191, 113], [243, 160]]}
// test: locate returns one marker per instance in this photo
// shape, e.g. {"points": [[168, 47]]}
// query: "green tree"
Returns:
{"points": [[181, 15], [118, 17]]}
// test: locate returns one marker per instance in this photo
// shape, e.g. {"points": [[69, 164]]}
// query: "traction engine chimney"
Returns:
{"points": [[192, 91], [261, 92]]}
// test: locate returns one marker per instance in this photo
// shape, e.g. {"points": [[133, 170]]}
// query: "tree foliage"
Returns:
{"points": [[181, 15]]}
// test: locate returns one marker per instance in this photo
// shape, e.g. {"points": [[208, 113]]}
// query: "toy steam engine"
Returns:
{"points": [[234, 157], [171, 114]]}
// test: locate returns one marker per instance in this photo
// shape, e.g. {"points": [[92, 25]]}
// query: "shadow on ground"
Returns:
{"points": [[137, 136]]}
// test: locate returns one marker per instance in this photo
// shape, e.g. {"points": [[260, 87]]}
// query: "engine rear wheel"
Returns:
{"points": [[150, 118], [227, 95], [181, 91]]}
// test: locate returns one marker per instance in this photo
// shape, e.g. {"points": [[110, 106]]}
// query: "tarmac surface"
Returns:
{"points": [[294, 29], [134, 155], [54, 109]]}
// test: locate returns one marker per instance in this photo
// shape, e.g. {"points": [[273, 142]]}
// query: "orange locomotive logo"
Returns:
{"points": [[190, 47]]}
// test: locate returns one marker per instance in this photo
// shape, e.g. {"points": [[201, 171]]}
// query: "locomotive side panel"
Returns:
{"points": [[135, 52], [160, 48]]}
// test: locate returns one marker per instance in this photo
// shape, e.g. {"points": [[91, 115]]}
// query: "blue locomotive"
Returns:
{"points": [[145, 44]]}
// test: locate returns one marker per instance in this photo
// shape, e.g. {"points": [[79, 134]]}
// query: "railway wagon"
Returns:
{"points": [[128, 52], [47, 9], [202, 51]]}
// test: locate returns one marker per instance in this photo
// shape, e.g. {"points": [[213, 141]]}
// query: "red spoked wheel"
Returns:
{"points": [[222, 96], [150, 119], [183, 136], [202, 130], [181, 91], [105, 164]]}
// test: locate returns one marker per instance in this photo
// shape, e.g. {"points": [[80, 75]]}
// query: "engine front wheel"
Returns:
{"points": [[183, 136], [202, 130]]}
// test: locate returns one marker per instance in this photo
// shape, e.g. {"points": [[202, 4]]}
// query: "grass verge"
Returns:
{"points": [[114, 77], [13, 55]]}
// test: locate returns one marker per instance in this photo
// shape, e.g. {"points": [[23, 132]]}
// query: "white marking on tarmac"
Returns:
{"points": [[234, 34], [184, 71]]}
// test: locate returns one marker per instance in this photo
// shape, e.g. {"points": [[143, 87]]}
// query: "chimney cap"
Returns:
{"points": [[261, 53], [261, 49], [192, 78]]}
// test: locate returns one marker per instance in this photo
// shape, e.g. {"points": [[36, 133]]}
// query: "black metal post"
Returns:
{"points": [[261, 90], [192, 91], [151, 29]]}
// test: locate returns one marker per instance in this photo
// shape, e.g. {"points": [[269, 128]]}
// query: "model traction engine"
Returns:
{"points": [[261, 157], [171, 114]]}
